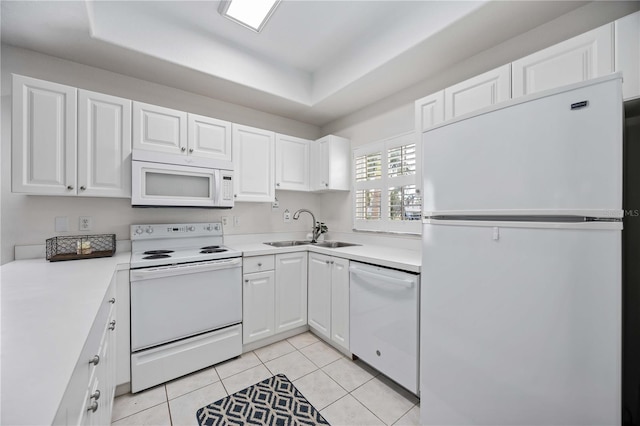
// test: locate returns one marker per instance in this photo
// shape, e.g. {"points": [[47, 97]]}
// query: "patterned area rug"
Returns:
{"points": [[274, 402]]}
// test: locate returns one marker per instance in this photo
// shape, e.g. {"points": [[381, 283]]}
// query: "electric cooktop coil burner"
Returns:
{"points": [[158, 252], [209, 247], [157, 256]]}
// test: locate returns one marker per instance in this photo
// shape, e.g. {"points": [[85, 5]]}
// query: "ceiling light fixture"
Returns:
{"points": [[252, 14]]}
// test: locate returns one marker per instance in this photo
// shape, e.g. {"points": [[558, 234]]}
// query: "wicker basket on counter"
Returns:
{"points": [[80, 247]]}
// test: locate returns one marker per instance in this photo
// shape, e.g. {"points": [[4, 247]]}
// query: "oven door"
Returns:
{"points": [[158, 184], [172, 302]]}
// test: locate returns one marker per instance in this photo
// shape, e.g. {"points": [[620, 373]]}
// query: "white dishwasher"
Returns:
{"points": [[384, 321]]}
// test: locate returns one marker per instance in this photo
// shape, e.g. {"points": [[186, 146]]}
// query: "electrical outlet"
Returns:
{"points": [[225, 221], [85, 223], [286, 216], [275, 204]]}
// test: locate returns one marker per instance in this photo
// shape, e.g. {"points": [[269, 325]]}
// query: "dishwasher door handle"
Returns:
{"points": [[383, 278]]}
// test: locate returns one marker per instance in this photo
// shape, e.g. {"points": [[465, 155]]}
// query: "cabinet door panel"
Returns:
{"points": [[429, 111], [44, 137], [209, 137], [340, 302], [291, 291], [254, 164], [292, 163], [258, 306], [627, 54], [331, 165], [319, 297], [580, 58], [104, 145], [478, 92], [160, 129]]}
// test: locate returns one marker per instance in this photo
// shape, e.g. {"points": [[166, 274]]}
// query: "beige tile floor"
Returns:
{"points": [[346, 392]]}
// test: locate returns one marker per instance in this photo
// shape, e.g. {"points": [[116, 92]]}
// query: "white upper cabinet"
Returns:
{"points": [[159, 129], [478, 92], [44, 140], [209, 137], [292, 163], [331, 164], [627, 54], [104, 145], [254, 164], [429, 112], [580, 58]]}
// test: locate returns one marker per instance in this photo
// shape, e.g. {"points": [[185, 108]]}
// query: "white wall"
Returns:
{"points": [[28, 219]]}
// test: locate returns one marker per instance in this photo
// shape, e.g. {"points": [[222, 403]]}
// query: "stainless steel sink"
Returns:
{"points": [[335, 244], [288, 243]]}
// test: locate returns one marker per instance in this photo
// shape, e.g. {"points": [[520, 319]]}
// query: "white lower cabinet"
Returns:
{"points": [[290, 291], [274, 296], [258, 304], [88, 399], [123, 333], [329, 298]]}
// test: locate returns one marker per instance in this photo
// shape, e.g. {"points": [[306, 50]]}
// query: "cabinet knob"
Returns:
{"points": [[93, 407], [190, 149], [83, 188], [112, 325], [277, 184], [70, 187], [326, 185], [112, 300], [183, 149], [328, 263], [95, 360], [259, 265], [332, 262], [246, 281], [96, 395], [235, 195]]}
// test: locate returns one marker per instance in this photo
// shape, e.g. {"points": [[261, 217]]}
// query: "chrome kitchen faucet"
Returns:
{"points": [[315, 231]]}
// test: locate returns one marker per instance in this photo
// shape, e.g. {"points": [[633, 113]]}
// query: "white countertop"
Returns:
{"points": [[47, 311], [391, 257]]}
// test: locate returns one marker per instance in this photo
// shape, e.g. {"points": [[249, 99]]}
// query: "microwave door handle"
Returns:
{"points": [[216, 187]]}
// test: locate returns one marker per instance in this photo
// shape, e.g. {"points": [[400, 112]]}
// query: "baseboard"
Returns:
{"points": [[273, 339]]}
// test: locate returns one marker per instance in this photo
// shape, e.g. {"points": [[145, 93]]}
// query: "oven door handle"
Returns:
{"points": [[184, 268]]}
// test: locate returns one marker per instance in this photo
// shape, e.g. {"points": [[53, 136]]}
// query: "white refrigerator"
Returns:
{"points": [[520, 310]]}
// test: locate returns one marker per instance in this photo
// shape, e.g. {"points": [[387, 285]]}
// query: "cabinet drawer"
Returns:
{"points": [[258, 264]]}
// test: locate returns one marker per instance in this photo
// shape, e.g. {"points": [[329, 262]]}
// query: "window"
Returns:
{"points": [[386, 193]]}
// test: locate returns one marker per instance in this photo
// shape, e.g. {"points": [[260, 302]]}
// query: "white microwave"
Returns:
{"points": [[155, 184]]}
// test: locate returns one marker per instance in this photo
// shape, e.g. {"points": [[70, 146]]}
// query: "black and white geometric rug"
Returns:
{"points": [[274, 401]]}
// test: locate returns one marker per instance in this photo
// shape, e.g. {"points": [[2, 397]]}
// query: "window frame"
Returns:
{"points": [[385, 224]]}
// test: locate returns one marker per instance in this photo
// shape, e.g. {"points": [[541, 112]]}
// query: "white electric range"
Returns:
{"points": [[186, 301]]}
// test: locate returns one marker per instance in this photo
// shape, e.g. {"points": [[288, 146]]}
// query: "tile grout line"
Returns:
{"points": [[166, 393]]}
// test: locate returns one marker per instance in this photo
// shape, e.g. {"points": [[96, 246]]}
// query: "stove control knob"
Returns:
{"points": [[149, 230], [217, 227], [208, 227], [139, 230], [191, 228]]}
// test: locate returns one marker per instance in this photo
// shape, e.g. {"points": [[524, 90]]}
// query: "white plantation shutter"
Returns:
{"points": [[386, 195]]}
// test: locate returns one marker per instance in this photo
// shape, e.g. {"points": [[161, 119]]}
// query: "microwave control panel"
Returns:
{"points": [[227, 187]]}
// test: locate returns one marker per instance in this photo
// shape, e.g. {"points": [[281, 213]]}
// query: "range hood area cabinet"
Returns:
{"points": [[68, 141], [170, 131]]}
